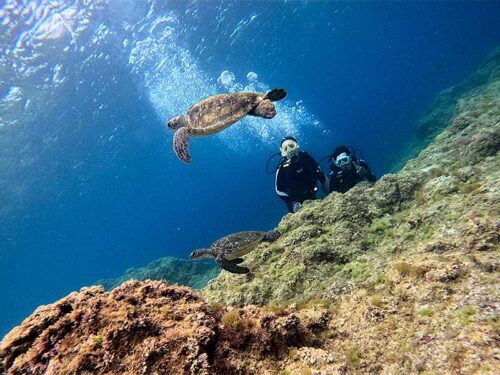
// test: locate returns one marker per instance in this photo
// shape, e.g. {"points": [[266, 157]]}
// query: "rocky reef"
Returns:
{"points": [[174, 270], [446, 106], [152, 328], [398, 277]]}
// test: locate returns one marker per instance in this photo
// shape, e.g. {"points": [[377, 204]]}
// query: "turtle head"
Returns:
{"points": [[265, 109], [200, 254], [176, 122]]}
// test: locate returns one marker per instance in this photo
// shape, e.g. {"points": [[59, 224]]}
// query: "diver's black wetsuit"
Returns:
{"points": [[342, 180], [296, 179]]}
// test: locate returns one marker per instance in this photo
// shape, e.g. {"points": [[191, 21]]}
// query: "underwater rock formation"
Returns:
{"points": [[137, 328], [446, 106], [174, 270], [397, 277], [150, 327]]}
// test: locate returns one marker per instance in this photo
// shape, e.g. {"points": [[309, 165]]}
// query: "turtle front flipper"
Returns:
{"points": [[264, 109], [181, 144], [230, 267], [272, 235], [237, 260], [275, 95]]}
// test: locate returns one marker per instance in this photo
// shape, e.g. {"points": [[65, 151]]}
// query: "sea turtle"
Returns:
{"points": [[216, 113], [228, 250]]}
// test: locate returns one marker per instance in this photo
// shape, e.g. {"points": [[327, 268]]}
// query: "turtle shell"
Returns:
{"points": [[238, 244], [220, 111]]}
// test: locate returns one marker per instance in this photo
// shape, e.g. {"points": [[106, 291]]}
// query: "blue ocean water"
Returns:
{"points": [[89, 185]]}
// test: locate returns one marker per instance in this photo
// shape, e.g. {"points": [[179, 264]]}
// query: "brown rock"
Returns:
{"points": [[148, 327], [139, 328]]}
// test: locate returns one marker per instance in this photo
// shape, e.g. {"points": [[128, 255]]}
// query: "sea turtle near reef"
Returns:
{"points": [[217, 112], [227, 251]]}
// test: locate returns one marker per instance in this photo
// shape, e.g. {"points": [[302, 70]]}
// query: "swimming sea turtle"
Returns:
{"points": [[228, 250], [217, 112]]}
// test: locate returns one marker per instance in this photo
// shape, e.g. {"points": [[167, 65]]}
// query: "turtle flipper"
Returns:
{"points": [[275, 95], [264, 109], [181, 144], [272, 235], [230, 267], [237, 260]]}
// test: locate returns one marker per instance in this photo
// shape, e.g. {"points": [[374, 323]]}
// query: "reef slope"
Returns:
{"points": [[408, 267], [397, 277], [446, 106]]}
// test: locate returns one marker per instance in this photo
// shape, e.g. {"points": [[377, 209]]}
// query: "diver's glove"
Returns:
{"points": [[361, 171], [296, 206]]}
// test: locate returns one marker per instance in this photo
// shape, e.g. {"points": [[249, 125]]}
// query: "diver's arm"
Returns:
{"points": [[320, 176], [279, 187], [279, 183], [365, 172], [332, 182]]}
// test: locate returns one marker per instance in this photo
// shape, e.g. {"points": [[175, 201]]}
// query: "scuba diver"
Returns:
{"points": [[297, 175], [347, 170]]}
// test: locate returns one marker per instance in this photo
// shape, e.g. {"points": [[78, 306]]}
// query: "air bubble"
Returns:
{"points": [[226, 79], [251, 76]]}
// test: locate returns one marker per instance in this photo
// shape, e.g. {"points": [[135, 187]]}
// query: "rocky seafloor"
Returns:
{"points": [[399, 277]]}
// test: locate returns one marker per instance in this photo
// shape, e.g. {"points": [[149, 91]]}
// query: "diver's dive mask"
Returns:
{"points": [[343, 161], [289, 148]]}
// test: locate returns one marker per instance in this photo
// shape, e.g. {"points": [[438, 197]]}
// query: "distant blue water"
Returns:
{"points": [[89, 185]]}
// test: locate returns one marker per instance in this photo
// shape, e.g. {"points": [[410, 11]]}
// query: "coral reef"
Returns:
{"points": [[398, 277], [174, 270]]}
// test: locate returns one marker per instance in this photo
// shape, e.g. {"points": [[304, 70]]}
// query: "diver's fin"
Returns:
{"points": [[237, 260], [181, 144], [230, 267], [275, 95]]}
